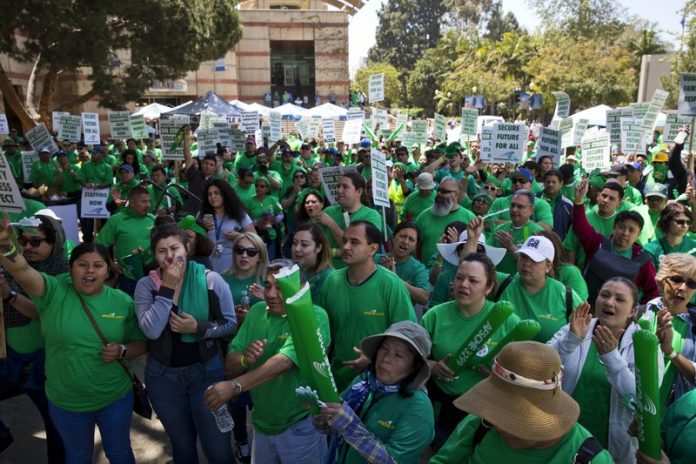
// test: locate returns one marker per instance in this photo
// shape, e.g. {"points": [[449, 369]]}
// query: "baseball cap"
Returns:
{"points": [[635, 165], [522, 172], [655, 190], [538, 249], [126, 167]]}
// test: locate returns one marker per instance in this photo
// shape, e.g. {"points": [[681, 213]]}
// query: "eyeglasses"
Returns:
{"points": [[445, 191], [251, 251], [35, 242], [682, 222], [678, 280], [490, 188]]}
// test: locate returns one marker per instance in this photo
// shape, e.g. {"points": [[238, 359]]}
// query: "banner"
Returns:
{"points": [[614, 125], [276, 127], [687, 94], [351, 132], [631, 136], [28, 158], [376, 88], [90, 128], [440, 127], [4, 125], [69, 128], [137, 123], [329, 130], [329, 180], [94, 203], [596, 151], [250, 122], [509, 143], [549, 144], [11, 200], [39, 137], [380, 180]]}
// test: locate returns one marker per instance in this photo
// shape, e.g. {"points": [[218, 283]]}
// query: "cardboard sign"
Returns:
{"points": [[562, 105], [70, 128], [351, 132], [137, 126], [94, 203], [207, 141], [39, 137], [90, 128], [565, 127], [11, 200], [55, 119], [28, 158], [329, 130], [119, 123], [549, 144], [420, 129], [614, 125], [631, 136], [596, 151], [687, 94], [250, 122], [376, 88], [276, 127], [440, 127], [509, 142], [4, 125], [469, 123], [330, 177], [380, 180], [486, 152]]}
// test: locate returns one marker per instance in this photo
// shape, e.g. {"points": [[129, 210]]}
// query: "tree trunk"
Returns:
{"points": [[50, 84], [77, 101], [31, 89], [13, 100]]}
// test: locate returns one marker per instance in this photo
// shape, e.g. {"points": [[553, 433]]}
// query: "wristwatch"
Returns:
{"points": [[236, 387], [11, 297], [122, 352]]}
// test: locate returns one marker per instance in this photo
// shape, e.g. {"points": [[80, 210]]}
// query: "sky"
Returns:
{"points": [[364, 24]]}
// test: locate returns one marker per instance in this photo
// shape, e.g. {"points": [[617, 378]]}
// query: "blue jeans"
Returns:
{"points": [[300, 443], [77, 431], [176, 394]]}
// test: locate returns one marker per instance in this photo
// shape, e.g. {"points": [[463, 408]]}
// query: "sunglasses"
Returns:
{"points": [[250, 252], [678, 280], [682, 222], [35, 242], [490, 188]]}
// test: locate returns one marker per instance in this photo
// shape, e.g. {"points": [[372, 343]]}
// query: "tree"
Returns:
{"points": [[122, 47], [497, 24], [581, 18], [392, 85], [406, 29], [684, 61]]}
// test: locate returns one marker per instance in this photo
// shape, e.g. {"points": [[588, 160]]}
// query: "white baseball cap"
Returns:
{"points": [[538, 248], [449, 250]]}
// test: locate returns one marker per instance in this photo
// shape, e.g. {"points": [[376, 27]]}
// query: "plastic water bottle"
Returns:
{"points": [[245, 301], [223, 419]]}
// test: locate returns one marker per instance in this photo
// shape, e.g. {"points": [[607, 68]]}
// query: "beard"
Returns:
{"points": [[442, 207]]}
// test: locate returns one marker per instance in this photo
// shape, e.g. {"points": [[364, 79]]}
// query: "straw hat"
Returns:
{"points": [[523, 395]]}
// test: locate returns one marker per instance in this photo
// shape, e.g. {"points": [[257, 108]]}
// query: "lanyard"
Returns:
{"points": [[218, 228]]}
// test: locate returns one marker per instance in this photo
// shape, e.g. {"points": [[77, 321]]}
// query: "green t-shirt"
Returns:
{"points": [[126, 232], [257, 208], [542, 210], [26, 338], [593, 393], [602, 225], [413, 272], [245, 194], [96, 173], [633, 195], [415, 204], [356, 311], [405, 425], [493, 449], [77, 379], [15, 161], [275, 404], [519, 235], [43, 173], [335, 212], [547, 306], [244, 161], [448, 328], [659, 248], [171, 198], [570, 276], [431, 228], [69, 181], [124, 189], [679, 429], [237, 286]]}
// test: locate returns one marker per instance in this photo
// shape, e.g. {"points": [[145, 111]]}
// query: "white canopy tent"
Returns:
{"points": [[240, 104], [327, 110], [291, 110], [151, 111], [597, 115], [263, 110]]}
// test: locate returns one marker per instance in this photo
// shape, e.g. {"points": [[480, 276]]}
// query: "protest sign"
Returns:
{"points": [[631, 135], [351, 132], [119, 122], [302, 127], [329, 130], [329, 179], [469, 120], [549, 144], [509, 142], [94, 203], [276, 129], [565, 127], [579, 128], [171, 135], [380, 181], [137, 123], [381, 117], [614, 125], [204, 119], [596, 150], [376, 88], [408, 139], [562, 105], [28, 158], [401, 118], [639, 109], [4, 125], [354, 112], [250, 122], [207, 141], [237, 140], [486, 152], [11, 200], [265, 131], [440, 127], [420, 129], [658, 101], [55, 119], [39, 137], [69, 128], [687, 94], [314, 126], [90, 128], [672, 124]]}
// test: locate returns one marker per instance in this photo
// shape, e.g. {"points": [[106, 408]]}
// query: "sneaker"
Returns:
{"points": [[6, 442], [243, 453]]}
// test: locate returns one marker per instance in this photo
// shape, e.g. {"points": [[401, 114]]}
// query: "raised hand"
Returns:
{"points": [[580, 320]]}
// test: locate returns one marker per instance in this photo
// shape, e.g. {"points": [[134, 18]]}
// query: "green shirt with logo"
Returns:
{"points": [[126, 231]]}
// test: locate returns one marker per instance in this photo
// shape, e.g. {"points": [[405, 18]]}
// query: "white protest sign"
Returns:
{"points": [[90, 128], [407, 138], [626, 112], [119, 123], [137, 124], [302, 126], [314, 126], [329, 130], [69, 128], [687, 94], [28, 158], [376, 88], [351, 132], [172, 146], [265, 131], [4, 125], [204, 119], [420, 129], [401, 118], [658, 101], [631, 135], [381, 117], [354, 112], [614, 125], [469, 121], [596, 150], [549, 144], [276, 127], [55, 119], [329, 179], [207, 141], [380, 181], [579, 128], [562, 105], [237, 140], [94, 203], [509, 142], [672, 124], [440, 127], [39, 137], [11, 200], [486, 152], [639, 109], [250, 122], [565, 127]]}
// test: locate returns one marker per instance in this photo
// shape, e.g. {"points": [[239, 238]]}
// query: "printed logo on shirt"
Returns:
{"points": [[111, 316], [373, 313], [547, 317], [283, 336], [389, 425]]}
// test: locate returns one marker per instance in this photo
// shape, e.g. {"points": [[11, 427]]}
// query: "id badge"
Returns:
{"points": [[218, 249]]}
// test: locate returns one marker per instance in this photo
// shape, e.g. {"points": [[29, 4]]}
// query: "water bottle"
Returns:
{"points": [[245, 301], [223, 419]]}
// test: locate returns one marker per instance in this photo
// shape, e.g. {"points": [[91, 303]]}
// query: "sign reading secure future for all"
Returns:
{"points": [[596, 151], [508, 143], [549, 144], [90, 128]]}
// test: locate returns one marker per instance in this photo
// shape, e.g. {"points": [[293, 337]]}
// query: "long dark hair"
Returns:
{"points": [[301, 211], [135, 164], [90, 247], [234, 208]]}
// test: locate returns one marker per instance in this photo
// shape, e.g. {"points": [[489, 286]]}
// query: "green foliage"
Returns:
{"points": [[684, 61], [581, 18], [392, 85]]}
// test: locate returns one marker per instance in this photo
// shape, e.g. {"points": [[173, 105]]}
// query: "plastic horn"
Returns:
{"points": [[524, 330], [498, 315], [647, 393]]}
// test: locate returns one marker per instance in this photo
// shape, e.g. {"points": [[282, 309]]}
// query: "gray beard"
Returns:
{"points": [[442, 209]]}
